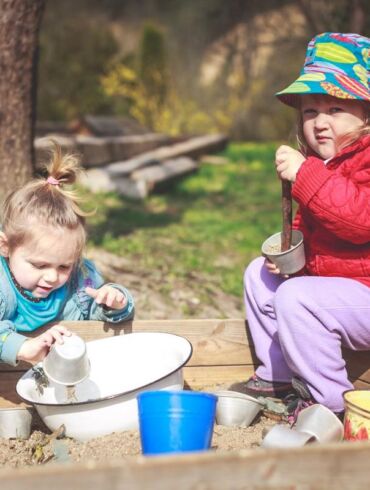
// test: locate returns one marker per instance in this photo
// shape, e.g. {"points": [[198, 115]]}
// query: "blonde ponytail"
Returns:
{"points": [[46, 201]]}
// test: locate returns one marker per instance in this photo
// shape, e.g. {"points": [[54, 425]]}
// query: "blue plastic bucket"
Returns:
{"points": [[176, 421]]}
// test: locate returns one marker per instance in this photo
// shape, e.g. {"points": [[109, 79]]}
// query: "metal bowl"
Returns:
{"points": [[235, 408]]}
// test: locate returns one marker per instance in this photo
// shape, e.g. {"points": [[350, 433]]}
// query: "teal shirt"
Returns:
{"points": [[28, 316], [70, 302]]}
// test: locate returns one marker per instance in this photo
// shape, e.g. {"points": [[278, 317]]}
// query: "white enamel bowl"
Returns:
{"points": [[121, 368]]}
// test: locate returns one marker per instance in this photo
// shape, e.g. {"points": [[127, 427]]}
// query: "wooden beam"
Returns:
{"points": [[215, 342], [195, 378], [360, 384], [140, 183], [99, 150], [317, 467], [193, 147], [358, 363], [211, 377], [222, 352]]}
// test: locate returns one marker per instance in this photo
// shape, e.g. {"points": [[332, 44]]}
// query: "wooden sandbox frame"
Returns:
{"points": [[222, 354]]}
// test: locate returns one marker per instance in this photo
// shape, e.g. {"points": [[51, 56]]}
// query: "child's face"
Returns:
{"points": [[46, 263], [326, 119]]}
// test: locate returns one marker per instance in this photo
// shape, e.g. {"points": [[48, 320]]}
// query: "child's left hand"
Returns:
{"points": [[288, 161], [108, 296], [35, 350]]}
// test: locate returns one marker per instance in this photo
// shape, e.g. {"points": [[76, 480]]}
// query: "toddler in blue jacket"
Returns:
{"points": [[43, 277]]}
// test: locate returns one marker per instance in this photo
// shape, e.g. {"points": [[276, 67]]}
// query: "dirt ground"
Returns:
{"points": [[151, 303], [159, 296], [44, 448]]}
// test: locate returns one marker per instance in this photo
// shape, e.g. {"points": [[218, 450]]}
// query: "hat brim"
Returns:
{"points": [[335, 84]]}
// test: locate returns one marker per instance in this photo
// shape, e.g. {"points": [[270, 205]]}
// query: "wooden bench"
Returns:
{"points": [[222, 352]]}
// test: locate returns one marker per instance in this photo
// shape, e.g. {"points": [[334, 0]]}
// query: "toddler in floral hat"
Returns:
{"points": [[300, 323]]}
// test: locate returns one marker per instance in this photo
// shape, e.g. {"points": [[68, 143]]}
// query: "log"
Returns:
{"points": [[97, 151], [142, 181], [156, 175], [124, 147], [43, 146], [194, 148], [166, 170], [93, 150]]}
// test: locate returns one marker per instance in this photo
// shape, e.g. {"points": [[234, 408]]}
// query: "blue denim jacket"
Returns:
{"points": [[77, 305]]}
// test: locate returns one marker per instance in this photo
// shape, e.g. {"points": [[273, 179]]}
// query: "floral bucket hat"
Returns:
{"points": [[336, 64]]}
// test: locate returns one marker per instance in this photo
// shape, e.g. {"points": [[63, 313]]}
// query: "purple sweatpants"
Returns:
{"points": [[299, 324]]}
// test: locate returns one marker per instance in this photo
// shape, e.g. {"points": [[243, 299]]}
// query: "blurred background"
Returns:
{"points": [[182, 66], [177, 97]]}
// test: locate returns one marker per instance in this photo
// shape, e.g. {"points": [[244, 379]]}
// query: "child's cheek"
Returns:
{"points": [[65, 276]]}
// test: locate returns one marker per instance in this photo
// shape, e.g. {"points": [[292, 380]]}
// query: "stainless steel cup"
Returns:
{"points": [[15, 422], [235, 408], [282, 436], [67, 363], [320, 422], [289, 262]]}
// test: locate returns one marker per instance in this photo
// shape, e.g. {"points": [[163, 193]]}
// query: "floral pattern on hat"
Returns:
{"points": [[336, 64], [335, 91]]}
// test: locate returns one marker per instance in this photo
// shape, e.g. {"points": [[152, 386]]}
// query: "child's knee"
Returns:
{"points": [[253, 270], [290, 295]]}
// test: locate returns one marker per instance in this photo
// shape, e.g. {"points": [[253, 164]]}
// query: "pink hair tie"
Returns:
{"points": [[51, 180]]}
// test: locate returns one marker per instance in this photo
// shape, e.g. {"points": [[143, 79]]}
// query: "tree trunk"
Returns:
{"points": [[19, 25]]}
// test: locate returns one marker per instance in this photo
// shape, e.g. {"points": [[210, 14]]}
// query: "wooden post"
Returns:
{"points": [[286, 204]]}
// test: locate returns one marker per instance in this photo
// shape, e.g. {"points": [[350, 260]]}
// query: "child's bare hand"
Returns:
{"points": [[109, 296], [34, 350], [273, 269], [288, 161]]}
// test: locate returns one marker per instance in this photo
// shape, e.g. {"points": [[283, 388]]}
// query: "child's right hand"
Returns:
{"points": [[273, 269], [288, 161], [34, 350]]}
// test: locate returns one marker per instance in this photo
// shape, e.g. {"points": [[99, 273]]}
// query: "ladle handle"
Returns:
{"points": [[286, 205]]}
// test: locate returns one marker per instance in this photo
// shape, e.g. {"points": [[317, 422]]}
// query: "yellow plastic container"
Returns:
{"points": [[357, 415]]}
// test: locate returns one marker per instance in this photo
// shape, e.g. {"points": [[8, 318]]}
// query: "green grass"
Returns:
{"points": [[212, 222]]}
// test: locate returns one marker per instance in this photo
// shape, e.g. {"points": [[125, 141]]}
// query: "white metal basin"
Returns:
{"points": [[121, 368]]}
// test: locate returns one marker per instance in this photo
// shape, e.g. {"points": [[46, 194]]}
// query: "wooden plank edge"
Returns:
{"points": [[214, 341], [337, 466], [195, 378]]}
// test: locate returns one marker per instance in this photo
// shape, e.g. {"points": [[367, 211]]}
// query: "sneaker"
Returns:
{"points": [[296, 405], [256, 387], [298, 401], [301, 389], [303, 399]]}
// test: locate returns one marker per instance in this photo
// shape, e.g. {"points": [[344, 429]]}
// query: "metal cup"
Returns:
{"points": [[235, 408], [282, 436], [320, 422], [289, 262], [357, 415], [67, 363], [15, 422]]}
